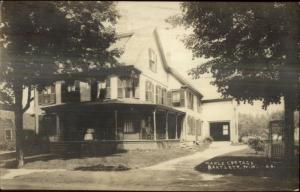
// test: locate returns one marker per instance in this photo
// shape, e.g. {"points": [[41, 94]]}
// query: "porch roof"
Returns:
{"points": [[120, 70], [109, 106]]}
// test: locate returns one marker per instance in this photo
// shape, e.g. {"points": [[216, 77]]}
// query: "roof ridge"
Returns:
{"points": [[169, 69]]}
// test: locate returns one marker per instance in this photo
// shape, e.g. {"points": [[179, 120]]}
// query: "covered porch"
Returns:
{"points": [[117, 124]]}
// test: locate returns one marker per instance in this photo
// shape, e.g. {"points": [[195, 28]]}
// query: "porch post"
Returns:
{"points": [[167, 126], [154, 124], [176, 134], [116, 124]]}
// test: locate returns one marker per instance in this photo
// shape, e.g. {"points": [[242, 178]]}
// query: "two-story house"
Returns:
{"points": [[143, 103]]}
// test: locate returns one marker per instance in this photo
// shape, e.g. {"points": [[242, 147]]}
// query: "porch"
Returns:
{"points": [[114, 125]]}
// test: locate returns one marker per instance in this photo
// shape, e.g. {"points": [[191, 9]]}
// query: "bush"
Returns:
{"points": [[257, 144], [208, 140]]}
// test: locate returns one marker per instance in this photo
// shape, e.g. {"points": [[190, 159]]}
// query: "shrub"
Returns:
{"points": [[208, 140], [257, 144]]}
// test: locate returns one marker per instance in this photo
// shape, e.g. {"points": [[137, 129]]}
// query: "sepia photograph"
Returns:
{"points": [[149, 95]]}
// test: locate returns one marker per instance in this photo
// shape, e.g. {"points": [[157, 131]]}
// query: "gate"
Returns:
{"points": [[274, 146]]}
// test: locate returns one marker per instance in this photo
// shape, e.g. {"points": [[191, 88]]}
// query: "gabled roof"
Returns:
{"points": [[185, 83], [131, 43]]}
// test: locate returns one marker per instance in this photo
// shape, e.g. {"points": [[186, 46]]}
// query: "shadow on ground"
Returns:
{"points": [[11, 164], [101, 167], [248, 166]]}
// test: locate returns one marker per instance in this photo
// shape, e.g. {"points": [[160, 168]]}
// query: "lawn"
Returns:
{"points": [[132, 159], [140, 179]]}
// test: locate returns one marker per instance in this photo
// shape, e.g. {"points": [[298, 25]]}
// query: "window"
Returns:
{"points": [[70, 91], [103, 89], [178, 98], [152, 60], [85, 91], [191, 125], [126, 88], [47, 124], [190, 100], [159, 98], [225, 130], [8, 135], [128, 127], [149, 91], [47, 95]]}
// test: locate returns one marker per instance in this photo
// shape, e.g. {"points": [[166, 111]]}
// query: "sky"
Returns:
{"points": [[135, 15]]}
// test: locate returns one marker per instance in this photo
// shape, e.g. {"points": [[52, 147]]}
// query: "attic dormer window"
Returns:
{"points": [[152, 60]]}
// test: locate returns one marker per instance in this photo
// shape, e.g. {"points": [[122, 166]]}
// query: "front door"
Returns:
{"points": [[220, 131]]}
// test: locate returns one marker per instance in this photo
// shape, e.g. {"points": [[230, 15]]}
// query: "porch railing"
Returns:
{"points": [[47, 99]]}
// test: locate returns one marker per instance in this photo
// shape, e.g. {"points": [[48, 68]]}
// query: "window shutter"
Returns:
{"points": [[136, 92], [155, 65], [63, 91], [146, 91], [157, 94], [120, 88], [150, 56], [169, 98], [199, 127], [94, 89], [182, 98], [164, 97], [77, 85], [152, 92], [108, 90], [136, 88], [52, 88]]}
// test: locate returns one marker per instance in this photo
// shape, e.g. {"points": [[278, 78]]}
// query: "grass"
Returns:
{"points": [[125, 160]]}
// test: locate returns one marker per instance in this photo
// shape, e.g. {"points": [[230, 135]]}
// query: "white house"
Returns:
{"points": [[143, 102]]}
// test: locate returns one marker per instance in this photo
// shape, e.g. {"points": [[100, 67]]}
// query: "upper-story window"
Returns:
{"points": [[100, 89], [190, 100], [161, 95], [70, 91], [127, 88], [149, 91], [152, 60], [177, 98], [47, 96]]}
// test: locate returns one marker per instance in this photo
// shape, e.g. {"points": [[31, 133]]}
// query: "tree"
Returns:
{"points": [[250, 125], [253, 50], [40, 39]]}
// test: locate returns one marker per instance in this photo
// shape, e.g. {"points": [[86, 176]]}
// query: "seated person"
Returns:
{"points": [[89, 135]]}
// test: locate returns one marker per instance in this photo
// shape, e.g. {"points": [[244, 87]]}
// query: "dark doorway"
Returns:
{"points": [[220, 131]]}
